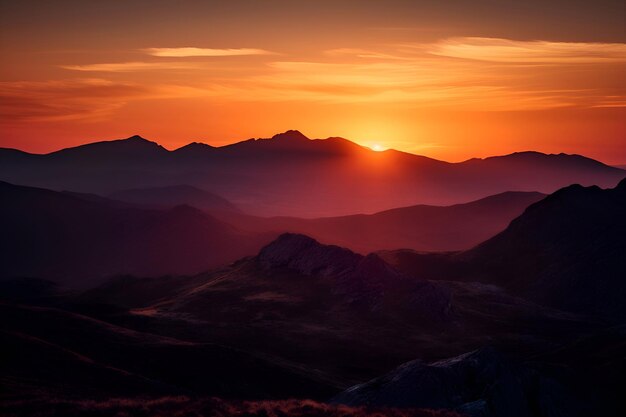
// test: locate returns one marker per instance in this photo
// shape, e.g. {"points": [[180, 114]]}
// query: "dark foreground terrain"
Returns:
{"points": [[529, 323]]}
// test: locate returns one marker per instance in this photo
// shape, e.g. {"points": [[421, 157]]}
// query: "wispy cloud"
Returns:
{"points": [[512, 51], [361, 53], [88, 98], [193, 52], [133, 66], [481, 74], [419, 81]]}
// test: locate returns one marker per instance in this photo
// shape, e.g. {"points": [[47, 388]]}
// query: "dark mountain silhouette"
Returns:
{"points": [[424, 228], [290, 174], [566, 251], [175, 195], [74, 241], [133, 149]]}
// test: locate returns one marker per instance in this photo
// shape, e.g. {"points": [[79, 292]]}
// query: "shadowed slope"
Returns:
{"points": [[55, 352], [78, 242], [565, 251], [175, 195]]}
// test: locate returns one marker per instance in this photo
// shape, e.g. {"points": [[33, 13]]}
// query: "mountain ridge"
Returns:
{"points": [[297, 136], [291, 175], [565, 251]]}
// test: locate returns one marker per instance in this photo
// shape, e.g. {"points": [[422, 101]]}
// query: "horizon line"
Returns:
{"points": [[138, 136]]}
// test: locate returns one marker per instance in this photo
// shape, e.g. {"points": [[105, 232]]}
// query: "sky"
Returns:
{"points": [[448, 79]]}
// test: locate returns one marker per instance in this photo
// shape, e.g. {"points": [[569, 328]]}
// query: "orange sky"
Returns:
{"points": [[451, 80]]}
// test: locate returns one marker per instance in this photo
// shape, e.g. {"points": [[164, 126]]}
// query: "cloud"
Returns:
{"points": [[133, 66], [194, 52], [419, 82], [494, 75], [361, 53], [611, 101], [88, 98], [541, 52], [478, 74]]}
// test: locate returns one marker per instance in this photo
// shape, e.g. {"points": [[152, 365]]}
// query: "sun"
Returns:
{"points": [[378, 148]]}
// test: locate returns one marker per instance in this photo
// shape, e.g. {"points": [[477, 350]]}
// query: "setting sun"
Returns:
{"points": [[378, 148]]}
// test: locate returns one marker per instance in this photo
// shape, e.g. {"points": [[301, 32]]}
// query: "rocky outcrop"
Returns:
{"points": [[361, 280], [479, 383]]}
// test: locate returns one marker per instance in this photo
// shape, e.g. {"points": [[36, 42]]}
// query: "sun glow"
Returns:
{"points": [[378, 148]]}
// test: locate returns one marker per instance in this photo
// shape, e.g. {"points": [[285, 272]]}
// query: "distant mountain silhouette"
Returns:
{"points": [[424, 228], [566, 251], [126, 150], [175, 195], [79, 241], [290, 174]]}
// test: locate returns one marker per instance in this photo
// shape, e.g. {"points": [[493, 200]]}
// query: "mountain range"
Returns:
{"points": [[567, 251], [333, 325], [79, 240], [421, 227], [249, 279], [291, 175]]}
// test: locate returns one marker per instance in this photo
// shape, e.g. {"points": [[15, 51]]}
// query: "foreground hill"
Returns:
{"points": [[424, 228], [344, 316], [50, 352], [292, 175], [567, 250], [79, 241]]}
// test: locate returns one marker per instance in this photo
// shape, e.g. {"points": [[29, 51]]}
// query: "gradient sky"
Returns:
{"points": [[449, 79]]}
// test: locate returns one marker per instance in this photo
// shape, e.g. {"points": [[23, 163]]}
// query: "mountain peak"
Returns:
{"points": [[195, 148], [361, 280], [291, 135], [137, 138], [307, 255]]}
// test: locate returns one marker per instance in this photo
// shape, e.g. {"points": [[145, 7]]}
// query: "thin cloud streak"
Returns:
{"points": [[78, 99], [133, 66], [208, 52], [542, 52], [483, 74]]}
